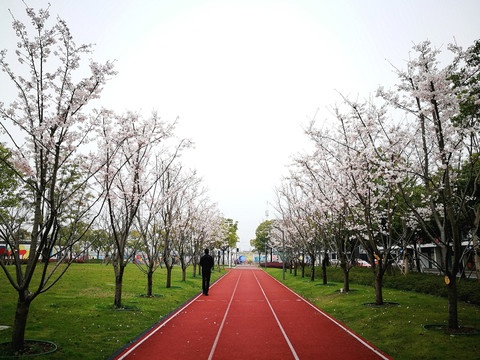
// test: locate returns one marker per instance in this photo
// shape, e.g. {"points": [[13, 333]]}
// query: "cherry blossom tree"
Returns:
{"points": [[203, 223], [319, 213], [285, 223], [46, 128], [321, 175], [130, 146], [225, 238], [300, 218], [150, 227], [171, 183], [444, 137], [350, 161], [185, 220], [466, 82]]}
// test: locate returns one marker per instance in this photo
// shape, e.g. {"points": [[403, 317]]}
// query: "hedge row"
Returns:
{"points": [[468, 289]]}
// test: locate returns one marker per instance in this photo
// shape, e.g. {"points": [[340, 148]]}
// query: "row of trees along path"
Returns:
{"points": [[75, 176], [390, 172]]}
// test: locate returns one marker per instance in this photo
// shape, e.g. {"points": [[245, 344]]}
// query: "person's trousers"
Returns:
{"points": [[205, 281]]}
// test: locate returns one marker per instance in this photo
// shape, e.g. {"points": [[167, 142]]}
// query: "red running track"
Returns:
{"points": [[250, 315]]}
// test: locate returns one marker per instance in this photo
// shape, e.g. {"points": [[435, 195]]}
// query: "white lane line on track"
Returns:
{"points": [[278, 321], [223, 321], [362, 341], [164, 323]]}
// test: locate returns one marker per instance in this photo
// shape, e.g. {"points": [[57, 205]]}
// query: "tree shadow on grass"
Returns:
{"points": [[462, 330], [385, 304], [150, 296], [124, 307]]}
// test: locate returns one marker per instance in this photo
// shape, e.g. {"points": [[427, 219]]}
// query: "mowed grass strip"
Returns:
{"points": [[77, 313], [396, 329]]}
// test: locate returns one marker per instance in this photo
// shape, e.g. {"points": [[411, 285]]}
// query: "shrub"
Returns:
{"points": [[277, 265], [468, 289]]}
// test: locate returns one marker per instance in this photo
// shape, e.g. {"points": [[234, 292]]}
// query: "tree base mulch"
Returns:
{"points": [[30, 348], [462, 330], [386, 303]]}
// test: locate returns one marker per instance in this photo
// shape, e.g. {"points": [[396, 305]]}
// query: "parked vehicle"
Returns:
{"points": [[362, 263]]}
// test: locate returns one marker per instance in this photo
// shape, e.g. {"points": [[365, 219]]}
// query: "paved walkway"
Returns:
{"points": [[250, 315]]}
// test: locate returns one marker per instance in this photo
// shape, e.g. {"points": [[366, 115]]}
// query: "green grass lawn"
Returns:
{"points": [[76, 314], [396, 330]]}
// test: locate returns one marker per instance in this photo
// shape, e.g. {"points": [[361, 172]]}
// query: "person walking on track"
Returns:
{"points": [[206, 262]]}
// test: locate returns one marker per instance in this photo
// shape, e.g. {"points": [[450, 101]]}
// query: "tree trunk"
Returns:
{"points": [[406, 262], [149, 282], [118, 285], [20, 323], [452, 303], [324, 269], [312, 265], [477, 259], [344, 264], [169, 276], [184, 268], [378, 286], [194, 269], [417, 258], [476, 244], [346, 273]]}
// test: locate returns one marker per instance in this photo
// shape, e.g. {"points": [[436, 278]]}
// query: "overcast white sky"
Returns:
{"points": [[245, 76]]}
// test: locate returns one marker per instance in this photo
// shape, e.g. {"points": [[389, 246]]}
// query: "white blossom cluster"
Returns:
{"points": [[390, 166]]}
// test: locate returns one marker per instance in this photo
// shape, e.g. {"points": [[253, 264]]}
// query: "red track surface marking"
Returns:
{"points": [[364, 342], [223, 321], [250, 315], [320, 335], [278, 321]]}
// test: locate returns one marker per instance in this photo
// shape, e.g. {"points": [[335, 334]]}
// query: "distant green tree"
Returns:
{"points": [[8, 181], [231, 227], [11, 211], [228, 238], [262, 237]]}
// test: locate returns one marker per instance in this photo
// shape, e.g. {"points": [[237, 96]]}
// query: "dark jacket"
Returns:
{"points": [[206, 262]]}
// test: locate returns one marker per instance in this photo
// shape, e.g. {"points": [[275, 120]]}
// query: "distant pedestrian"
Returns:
{"points": [[206, 262]]}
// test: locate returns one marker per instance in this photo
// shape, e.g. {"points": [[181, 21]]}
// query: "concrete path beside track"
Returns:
{"points": [[250, 315]]}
